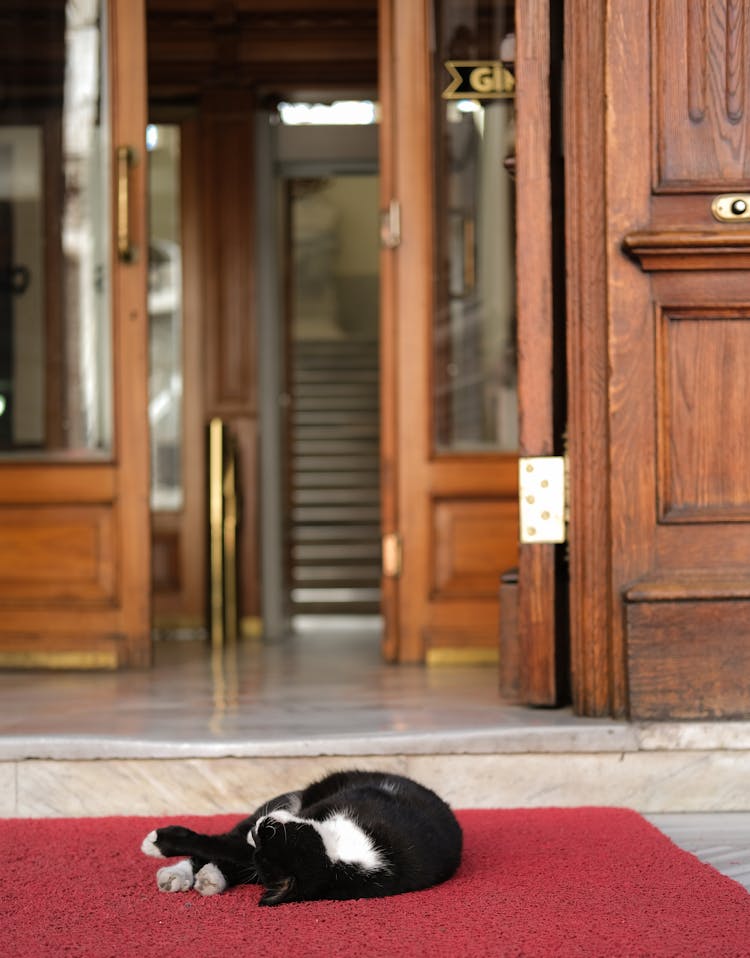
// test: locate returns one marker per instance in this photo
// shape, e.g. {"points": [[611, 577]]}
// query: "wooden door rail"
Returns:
{"points": [[689, 249], [690, 585]]}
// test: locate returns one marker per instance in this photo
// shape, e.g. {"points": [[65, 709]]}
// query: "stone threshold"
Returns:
{"points": [[651, 768], [539, 737]]}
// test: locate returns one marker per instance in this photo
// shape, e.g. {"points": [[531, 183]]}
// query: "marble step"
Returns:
{"points": [[674, 768]]}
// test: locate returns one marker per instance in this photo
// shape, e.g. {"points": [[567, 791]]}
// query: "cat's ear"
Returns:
{"points": [[278, 893]]}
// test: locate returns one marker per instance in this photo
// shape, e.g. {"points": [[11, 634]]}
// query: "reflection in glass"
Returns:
{"points": [[165, 317], [55, 349], [474, 379]]}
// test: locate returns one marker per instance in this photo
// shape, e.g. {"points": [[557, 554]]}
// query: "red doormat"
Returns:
{"points": [[543, 882]]}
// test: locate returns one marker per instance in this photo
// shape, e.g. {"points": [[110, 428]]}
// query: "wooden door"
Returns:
{"points": [[450, 510], [74, 533], [660, 350]]}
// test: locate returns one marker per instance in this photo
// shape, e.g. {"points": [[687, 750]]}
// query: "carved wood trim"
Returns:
{"points": [[697, 586], [689, 249], [701, 471], [699, 88]]}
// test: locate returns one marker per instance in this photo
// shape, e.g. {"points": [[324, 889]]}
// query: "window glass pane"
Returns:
{"points": [[474, 373], [165, 316], [55, 345]]}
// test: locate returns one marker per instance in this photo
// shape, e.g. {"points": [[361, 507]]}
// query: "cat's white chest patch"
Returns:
{"points": [[345, 841]]}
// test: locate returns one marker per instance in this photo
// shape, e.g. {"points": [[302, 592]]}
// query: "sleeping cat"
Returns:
{"points": [[351, 835]]}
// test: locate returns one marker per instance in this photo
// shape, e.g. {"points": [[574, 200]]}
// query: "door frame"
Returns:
{"points": [[596, 646], [541, 588]]}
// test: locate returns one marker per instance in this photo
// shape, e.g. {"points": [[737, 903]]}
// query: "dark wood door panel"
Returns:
{"points": [[700, 94], [64, 554], [474, 543], [688, 659], [703, 419], [662, 399]]}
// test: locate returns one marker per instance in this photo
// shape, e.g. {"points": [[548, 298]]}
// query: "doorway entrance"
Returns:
{"points": [[447, 457], [332, 519], [365, 399], [324, 326]]}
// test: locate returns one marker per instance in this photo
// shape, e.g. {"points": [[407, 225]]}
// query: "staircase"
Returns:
{"points": [[334, 526]]}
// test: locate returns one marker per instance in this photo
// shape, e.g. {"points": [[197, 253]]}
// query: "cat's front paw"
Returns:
{"points": [[177, 877], [165, 842], [150, 847]]}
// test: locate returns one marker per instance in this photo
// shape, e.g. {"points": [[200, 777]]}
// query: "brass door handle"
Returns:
{"points": [[127, 157]]}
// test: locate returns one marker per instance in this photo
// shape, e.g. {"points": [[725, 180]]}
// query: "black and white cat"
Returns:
{"points": [[353, 834]]}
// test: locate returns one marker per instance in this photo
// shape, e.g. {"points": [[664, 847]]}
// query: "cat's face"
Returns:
{"points": [[289, 856]]}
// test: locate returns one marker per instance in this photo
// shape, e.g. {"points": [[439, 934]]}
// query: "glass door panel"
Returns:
{"points": [[165, 317], [474, 377], [55, 291]]}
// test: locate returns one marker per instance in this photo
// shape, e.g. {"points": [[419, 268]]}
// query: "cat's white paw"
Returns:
{"points": [[148, 846], [209, 880], [177, 877]]}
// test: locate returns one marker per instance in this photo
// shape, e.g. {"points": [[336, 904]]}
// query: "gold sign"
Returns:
{"points": [[479, 80]]}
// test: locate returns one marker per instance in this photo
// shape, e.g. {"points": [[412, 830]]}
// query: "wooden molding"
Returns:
{"points": [[699, 91], [690, 586], [689, 249]]}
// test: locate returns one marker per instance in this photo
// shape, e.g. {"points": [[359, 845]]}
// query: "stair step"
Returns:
{"points": [[365, 405], [331, 345], [351, 377], [336, 432], [336, 595], [339, 576], [346, 532], [334, 533], [365, 607], [336, 418], [369, 481], [336, 388], [356, 550], [317, 445], [340, 497], [354, 465], [330, 514]]}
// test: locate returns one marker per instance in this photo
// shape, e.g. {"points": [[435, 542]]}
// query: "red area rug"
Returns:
{"points": [[551, 883]]}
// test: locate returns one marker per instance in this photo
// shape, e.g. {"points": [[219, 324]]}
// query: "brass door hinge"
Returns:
{"points": [[542, 498], [392, 555]]}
